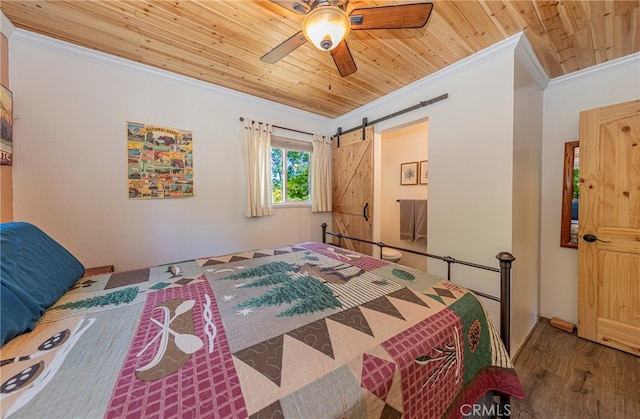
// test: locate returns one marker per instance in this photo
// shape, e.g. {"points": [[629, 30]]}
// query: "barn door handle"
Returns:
{"points": [[364, 211], [592, 238]]}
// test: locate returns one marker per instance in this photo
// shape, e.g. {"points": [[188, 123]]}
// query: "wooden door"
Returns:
{"points": [[353, 188], [609, 227]]}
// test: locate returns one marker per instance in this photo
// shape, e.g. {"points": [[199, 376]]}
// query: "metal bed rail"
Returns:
{"points": [[505, 258]]}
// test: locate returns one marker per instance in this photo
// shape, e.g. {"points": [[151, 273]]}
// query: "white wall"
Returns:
{"points": [[527, 155], [564, 99], [401, 145], [71, 106]]}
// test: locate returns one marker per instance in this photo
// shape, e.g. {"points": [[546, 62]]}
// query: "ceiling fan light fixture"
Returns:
{"points": [[326, 27]]}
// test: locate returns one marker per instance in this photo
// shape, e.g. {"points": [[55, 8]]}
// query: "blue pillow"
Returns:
{"points": [[18, 312], [36, 268]]}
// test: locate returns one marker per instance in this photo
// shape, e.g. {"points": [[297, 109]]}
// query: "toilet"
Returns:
{"points": [[391, 255]]}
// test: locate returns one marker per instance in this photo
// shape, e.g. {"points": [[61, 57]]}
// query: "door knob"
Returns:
{"points": [[592, 238], [364, 211]]}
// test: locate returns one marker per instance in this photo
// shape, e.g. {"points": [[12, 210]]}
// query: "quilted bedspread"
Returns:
{"points": [[306, 331]]}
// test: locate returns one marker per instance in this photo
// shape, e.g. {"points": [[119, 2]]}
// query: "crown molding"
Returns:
{"points": [[21, 36], [528, 57], [596, 70], [6, 26]]}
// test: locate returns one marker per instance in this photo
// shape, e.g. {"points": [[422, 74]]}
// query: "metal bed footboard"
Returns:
{"points": [[505, 258]]}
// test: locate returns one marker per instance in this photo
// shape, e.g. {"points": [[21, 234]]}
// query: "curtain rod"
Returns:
{"points": [[365, 123], [288, 129]]}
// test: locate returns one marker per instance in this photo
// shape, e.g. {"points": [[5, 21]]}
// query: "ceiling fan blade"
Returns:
{"points": [[397, 16], [343, 59], [300, 7], [284, 48]]}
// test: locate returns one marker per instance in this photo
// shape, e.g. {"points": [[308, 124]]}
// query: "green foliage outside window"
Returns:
{"points": [[576, 183], [276, 175], [296, 177]]}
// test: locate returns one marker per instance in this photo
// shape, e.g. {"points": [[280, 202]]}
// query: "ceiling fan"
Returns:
{"points": [[326, 25]]}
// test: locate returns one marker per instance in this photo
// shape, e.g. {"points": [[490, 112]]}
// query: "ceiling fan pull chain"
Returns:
{"points": [[329, 65]]}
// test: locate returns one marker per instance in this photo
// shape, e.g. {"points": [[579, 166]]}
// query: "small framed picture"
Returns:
{"points": [[409, 173], [424, 173]]}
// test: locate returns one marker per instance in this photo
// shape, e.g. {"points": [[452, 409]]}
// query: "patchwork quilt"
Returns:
{"points": [[306, 331]]}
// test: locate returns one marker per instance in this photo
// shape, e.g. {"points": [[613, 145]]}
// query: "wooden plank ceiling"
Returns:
{"points": [[221, 42]]}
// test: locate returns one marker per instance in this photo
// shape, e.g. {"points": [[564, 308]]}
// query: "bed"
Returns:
{"points": [[309, 330]]}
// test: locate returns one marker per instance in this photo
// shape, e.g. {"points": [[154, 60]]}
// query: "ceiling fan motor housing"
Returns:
{"points": [[326, 26]]}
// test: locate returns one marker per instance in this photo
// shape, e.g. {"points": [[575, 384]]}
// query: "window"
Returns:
{"points": [[290, 166]]}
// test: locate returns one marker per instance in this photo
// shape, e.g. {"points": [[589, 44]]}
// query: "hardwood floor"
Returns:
{"points": [[565, 376]]}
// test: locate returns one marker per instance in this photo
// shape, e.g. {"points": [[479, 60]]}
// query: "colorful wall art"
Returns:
{"points": [[160, 161], [6, 126]]}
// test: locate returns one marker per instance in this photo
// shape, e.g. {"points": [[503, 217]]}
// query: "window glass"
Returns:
{"points": [[290, 171], [277, 175], [297, 175]]}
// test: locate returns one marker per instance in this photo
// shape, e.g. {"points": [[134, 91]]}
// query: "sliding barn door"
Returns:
{"points": [[353, 188], [609, 226]]}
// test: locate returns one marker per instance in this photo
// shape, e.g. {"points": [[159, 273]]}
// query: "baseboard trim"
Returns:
{"points": [[526, 339]]}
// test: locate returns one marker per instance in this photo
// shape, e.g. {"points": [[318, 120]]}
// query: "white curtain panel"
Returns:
{"points": [[257, 158], [321, 186]]}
